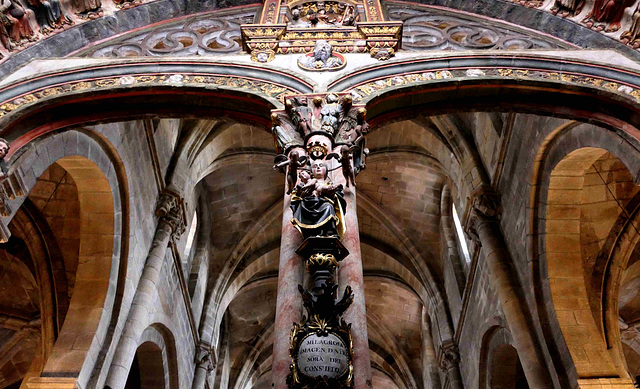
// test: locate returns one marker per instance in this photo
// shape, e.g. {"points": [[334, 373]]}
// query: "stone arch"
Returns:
{"points": [[382, 370], [394, 356], [120, 91], [616, 261], [579, 91], [99, 176], [224, 281], [155, 363], [571, 148], [267, 259], [39, 233], [500, 367]]}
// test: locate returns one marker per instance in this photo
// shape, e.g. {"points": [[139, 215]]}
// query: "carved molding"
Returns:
{"points": [[205, 357], [449, 355], [171, 210], [204, 35], [434, 29], [355, 26], [482, 205], [365, 91]]}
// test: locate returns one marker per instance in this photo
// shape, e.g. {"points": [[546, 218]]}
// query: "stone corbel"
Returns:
{"points": [[171, 209], [449, 355], [205, 357], [482, 205]]}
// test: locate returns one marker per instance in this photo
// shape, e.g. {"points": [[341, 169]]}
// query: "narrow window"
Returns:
{"points": [[460, 234], [192, 234]]}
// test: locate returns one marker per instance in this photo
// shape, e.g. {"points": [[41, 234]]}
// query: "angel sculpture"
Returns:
{"points": [[362, 127], [294, 161], [345, 159]]}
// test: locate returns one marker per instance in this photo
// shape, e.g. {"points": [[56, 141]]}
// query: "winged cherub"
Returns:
{"points": [[294, 161], [347, 167]]}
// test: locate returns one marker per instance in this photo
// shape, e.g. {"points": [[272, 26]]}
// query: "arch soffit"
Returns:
{"points": [[491, 330], [92, 153], [435, 302], [385, 339], [609, 270], [126, 89], [250, 237], [497, 80], [379, 363], [125, 23], [162, 338], [556, 146]]}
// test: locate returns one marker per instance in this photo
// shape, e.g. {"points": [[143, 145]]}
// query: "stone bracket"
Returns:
{"points": [[172, 209]]}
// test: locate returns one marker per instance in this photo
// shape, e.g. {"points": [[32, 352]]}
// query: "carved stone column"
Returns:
{"points": [[205, 364], [449, 362], [483, 225], [320, 233], [288, 303], [171, 225], [430, 373], [350, 273]]}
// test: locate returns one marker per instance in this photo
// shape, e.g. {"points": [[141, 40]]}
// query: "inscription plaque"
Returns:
{"points": [[323, 356]]}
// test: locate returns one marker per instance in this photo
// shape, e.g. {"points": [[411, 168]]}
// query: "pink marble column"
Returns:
{"points": [[289, 303], [350, 273]]}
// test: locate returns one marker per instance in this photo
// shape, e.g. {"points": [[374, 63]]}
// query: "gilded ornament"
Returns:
{"points": [[107, 82], [321, 261]]}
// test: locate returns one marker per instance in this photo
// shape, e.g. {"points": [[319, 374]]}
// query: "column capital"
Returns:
{"points": [[449, 355], [171, 210], [483, 206], [205, 357]]}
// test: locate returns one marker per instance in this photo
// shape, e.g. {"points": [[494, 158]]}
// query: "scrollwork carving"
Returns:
{"points": [[202, 35], [431, 30]]}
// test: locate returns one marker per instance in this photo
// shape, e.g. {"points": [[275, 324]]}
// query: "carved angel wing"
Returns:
{"points": [[280, 158]]}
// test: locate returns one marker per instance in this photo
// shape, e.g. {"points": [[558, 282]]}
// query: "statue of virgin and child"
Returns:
{"points": [[318, 205]]}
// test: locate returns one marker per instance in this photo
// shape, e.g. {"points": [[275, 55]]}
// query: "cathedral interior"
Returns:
{"points": [[147, 239]]}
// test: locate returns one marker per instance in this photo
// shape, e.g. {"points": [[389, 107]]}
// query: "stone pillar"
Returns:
{"points": [[350, 273], [484, 226], [449, 362], [204, 366], [430, 375], [311, 132], [171, 224], [288, 304]]}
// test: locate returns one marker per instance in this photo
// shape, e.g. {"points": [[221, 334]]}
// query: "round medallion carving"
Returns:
{"points": [[323, 356]]}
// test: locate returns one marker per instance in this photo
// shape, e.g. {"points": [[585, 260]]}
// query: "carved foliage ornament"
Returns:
{"points": [[172, 211]]}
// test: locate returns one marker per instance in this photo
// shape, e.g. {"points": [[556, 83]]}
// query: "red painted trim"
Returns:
{"points": [[123, 115]]}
